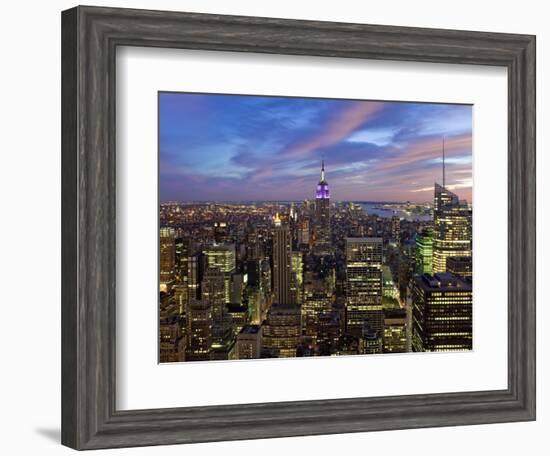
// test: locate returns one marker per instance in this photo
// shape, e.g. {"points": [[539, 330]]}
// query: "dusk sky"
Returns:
{"points": [[238, 148]]}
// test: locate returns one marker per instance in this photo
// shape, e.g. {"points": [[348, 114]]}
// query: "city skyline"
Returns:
{"points": [[258, 148], [313, 272]]}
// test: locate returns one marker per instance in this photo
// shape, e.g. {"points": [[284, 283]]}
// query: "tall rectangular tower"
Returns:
{"points": [[297, 277], [222, 257], [249, 342], [442, 313], [452, 228], [282, 329], [396, 228], [282, 263], [199, 330], [213, 292], [364, 284], [424, 252], [167, 258], [193, 277], [322, 244]]}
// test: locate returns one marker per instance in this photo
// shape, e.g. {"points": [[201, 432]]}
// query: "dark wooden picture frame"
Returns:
{"points": [[90, 36]]}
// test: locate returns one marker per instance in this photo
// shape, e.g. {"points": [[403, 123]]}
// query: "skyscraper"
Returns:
{"points": [[222, 257], [182, 248], [364, 284], [167, 258], [442, 313], [452, 228], [193, 277], [303, 233], [199, 330], [213, 292], [281, 262], [265, 277], [329, 331], [172, 341], [254, 246], [238, 285], [424, 252], [452, 225], [220, 232], [315, 304], [460, 267], [239, 316], [256, 304], [322, 215], [282, 330], [396, 228], [395, 331], [249, 342], [296, 277], [370, 341]]}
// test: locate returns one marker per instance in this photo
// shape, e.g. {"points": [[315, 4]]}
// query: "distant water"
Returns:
{"points": [[379, 210]]}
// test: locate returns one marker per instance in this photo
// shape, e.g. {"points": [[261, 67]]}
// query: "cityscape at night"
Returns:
{"points": [[300, 227]]}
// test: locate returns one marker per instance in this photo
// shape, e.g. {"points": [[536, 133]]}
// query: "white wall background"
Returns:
{"points": [[30, 229]]}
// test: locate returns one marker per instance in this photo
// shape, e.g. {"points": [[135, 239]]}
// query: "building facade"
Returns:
{"points": [[460, 266], [424, 252], [363, 284], [167, 259], [396, 228], [452, 228], [322, 244], [282, 263], [222, 257], [213, 292], [314, 305], [395, 331], [199, 330], [172, 340], [441, 313], [296, 277], [282, 330], [249, 342], [193, 277]]}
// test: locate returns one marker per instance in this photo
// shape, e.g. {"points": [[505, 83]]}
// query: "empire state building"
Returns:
{"points": [[322, 216]]}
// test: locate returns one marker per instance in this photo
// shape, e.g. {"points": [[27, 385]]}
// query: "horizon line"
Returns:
{"points": [[296, 200]]}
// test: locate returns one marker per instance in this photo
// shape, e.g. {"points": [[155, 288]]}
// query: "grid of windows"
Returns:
{"points": [[442, 313]]}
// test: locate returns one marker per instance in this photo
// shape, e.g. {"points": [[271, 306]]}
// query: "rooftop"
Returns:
{"points": [[250, 329], [442, 281], [236, 307], [363, 239], [277, 308], [395, 313]]}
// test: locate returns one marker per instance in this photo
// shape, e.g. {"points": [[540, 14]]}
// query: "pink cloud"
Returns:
{"points": [[339, 128], [427, 150]]}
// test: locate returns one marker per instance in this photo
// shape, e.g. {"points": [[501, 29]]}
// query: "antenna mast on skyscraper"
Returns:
{"points": [[443, 161]]}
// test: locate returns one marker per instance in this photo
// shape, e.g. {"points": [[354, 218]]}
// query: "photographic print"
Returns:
{"points": [[302, 227]]}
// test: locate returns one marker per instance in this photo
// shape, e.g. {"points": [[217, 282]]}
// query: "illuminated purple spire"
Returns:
{"points": [[322, 186]]}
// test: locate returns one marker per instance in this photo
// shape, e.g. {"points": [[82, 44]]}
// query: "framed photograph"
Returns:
{"points": [[280, 228]]}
